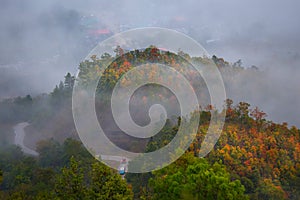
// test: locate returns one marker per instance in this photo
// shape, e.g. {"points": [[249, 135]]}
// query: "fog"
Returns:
{"points": [[42, 40]]}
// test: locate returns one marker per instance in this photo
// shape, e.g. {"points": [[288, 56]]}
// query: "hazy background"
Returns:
{"points": [[42, 40]]}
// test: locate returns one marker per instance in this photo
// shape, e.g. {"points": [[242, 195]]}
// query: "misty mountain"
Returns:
{"points": [[51, 38]]}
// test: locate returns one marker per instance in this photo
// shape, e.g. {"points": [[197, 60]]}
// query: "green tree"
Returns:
{"points": [[243, 112], [98, 182], [57, 95], [74, 148], [268, 190], [50, 153], [70, 184], [194, 178], [69, 82], [106, 184]]}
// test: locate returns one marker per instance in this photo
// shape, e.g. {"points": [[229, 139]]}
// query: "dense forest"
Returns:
{"points": [[254, 158]]}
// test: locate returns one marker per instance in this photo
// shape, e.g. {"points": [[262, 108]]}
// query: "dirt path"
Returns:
{"points": [[19, 139]]}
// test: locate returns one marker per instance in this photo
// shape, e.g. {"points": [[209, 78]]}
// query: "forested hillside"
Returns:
{"points": [[254, 158]]}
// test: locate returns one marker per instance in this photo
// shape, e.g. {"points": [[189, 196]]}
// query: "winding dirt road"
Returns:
{"points": [[19, 139]]}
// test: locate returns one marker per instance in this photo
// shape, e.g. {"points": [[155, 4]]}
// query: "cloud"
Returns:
{"points": [[45, 39]]}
